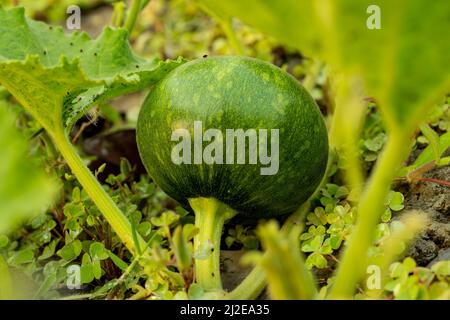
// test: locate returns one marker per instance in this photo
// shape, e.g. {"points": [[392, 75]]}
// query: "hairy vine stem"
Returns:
{"points": [[132, 15], [210, 217], [102, 200]]}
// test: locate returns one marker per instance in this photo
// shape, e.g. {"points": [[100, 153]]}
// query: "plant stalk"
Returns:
{"points": [[6, 286], [102, 200], [228, 29], [132, 15], [371, 206], [210, 217], [119, 14], [251, 287], [346, 126]]}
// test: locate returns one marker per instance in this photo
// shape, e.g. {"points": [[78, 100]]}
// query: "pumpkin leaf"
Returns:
{"points": [[397, 68], [57, 77]]}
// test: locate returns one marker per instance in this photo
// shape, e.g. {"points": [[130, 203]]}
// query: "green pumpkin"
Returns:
{"points": [[235, 93]]}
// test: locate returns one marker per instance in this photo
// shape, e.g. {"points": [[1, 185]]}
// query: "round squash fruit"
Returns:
{"points": [[233, 93], [231, 135]]}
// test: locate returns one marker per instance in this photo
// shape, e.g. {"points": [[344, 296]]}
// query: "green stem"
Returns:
{"points": [[102, 200], [132, 15], [119, 14], [371, 206], [6, 288], [251, 287], [144, 3], [347, 121], [210, 217], [227, 27]]}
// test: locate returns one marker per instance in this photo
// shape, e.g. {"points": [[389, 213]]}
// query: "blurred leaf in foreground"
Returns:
{"points": [[285, 269], [405, 64], [24, 189]]}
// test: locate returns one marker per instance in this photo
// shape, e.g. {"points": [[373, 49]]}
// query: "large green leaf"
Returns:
{"points": [[57, 77], [405, 65], [25, 190]]}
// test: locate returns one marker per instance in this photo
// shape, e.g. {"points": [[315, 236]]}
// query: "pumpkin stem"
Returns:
{"points": [[210, 217], [99, 196]]}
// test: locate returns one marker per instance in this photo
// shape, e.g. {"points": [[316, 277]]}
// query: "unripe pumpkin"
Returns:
{"points": [[232, 92]]}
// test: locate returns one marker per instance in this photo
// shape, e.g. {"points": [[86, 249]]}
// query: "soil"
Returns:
{"points": [[110, 148], [233, 273], [433, 243]]}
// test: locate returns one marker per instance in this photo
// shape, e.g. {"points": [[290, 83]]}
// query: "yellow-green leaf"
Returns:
{"points": [[405, 64], [57, 77], [25, 190]]}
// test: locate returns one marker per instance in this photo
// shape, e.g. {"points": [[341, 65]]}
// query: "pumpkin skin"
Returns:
{"points": [[231, 92]]}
